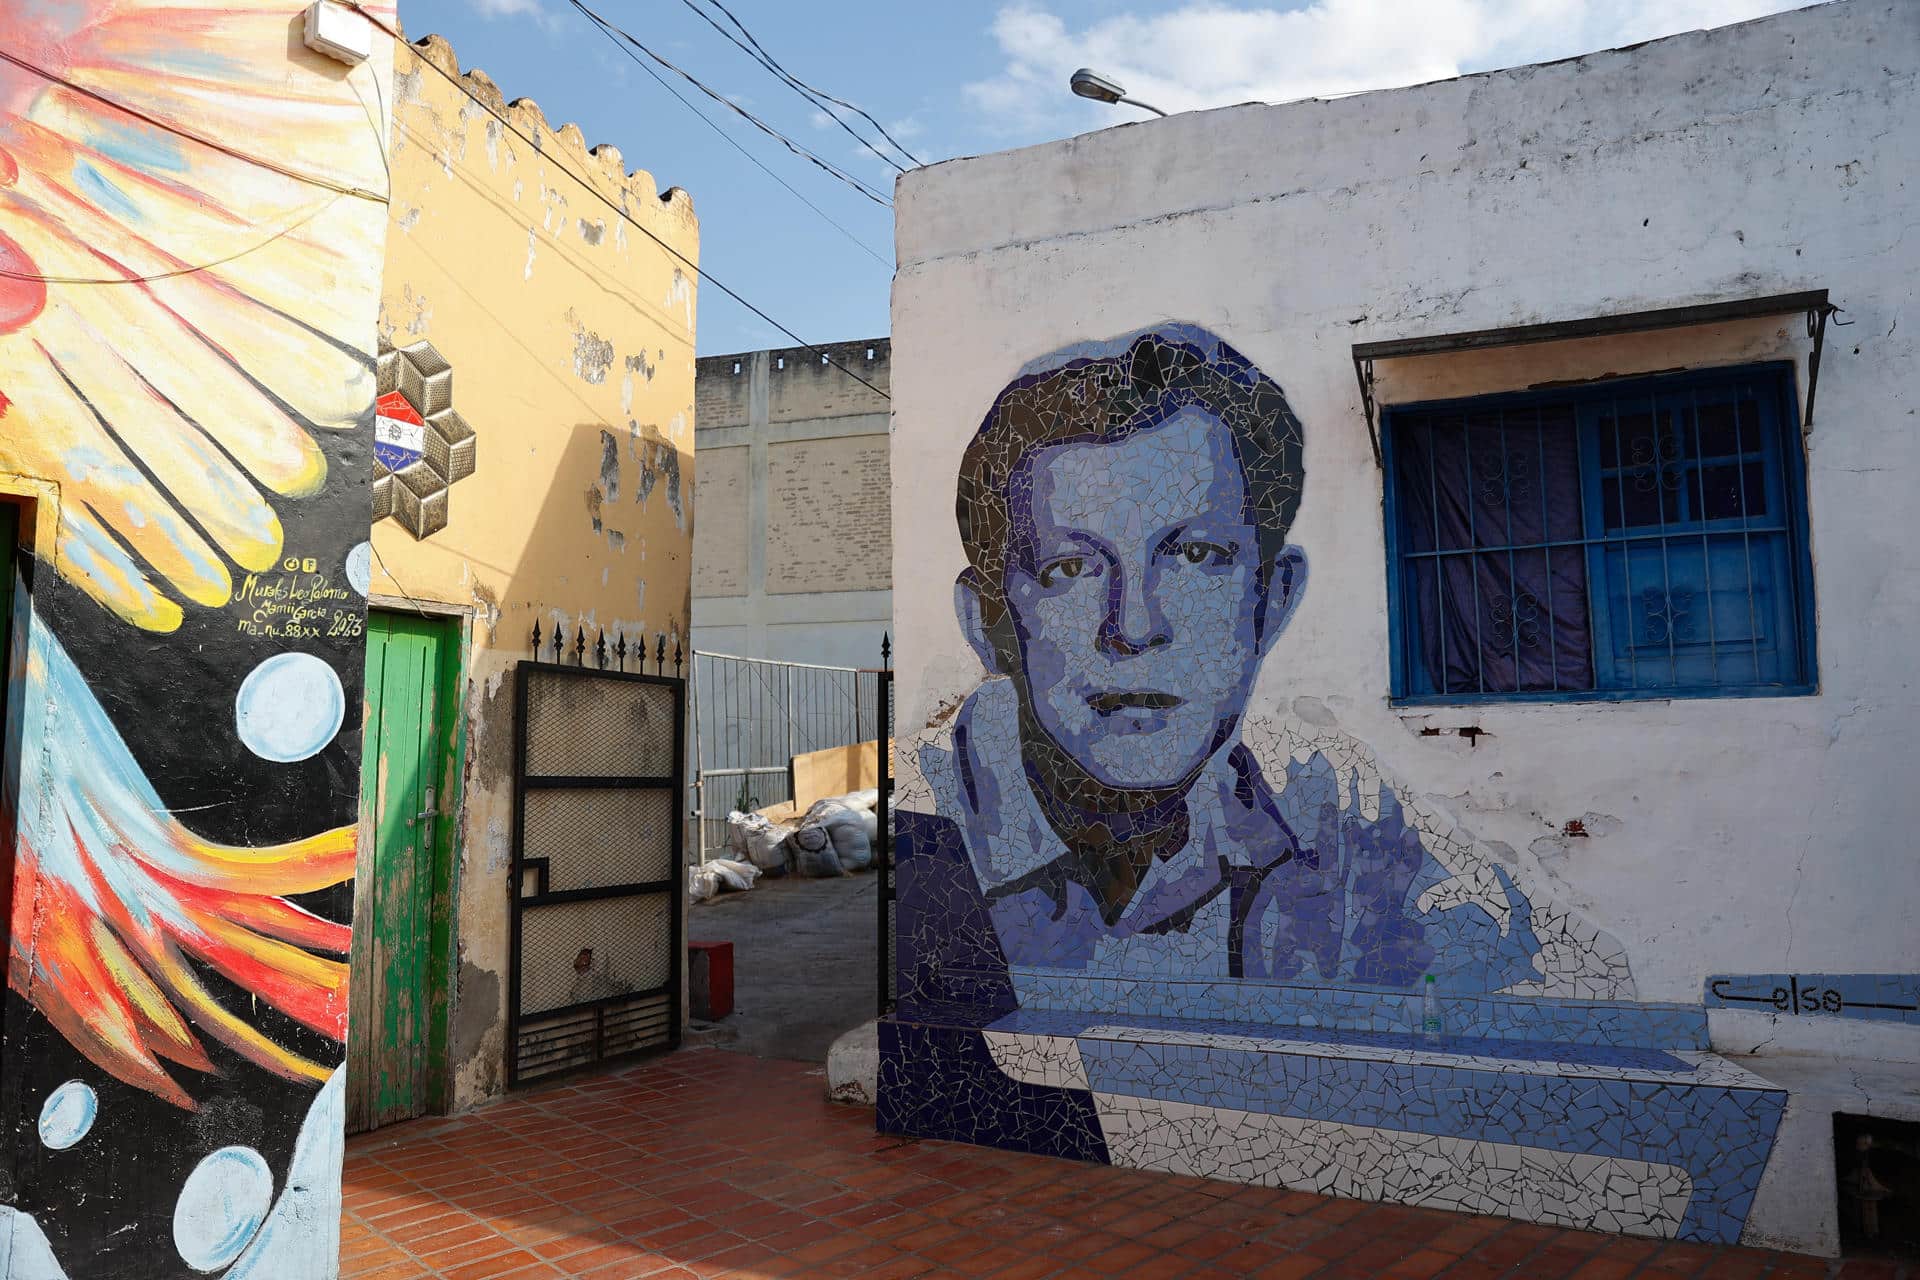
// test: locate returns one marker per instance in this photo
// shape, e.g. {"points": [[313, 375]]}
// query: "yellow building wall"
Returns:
{"points": [[569, 333]]}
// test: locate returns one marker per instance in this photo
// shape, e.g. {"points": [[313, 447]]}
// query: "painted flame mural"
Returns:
{"points": [[108, 913], [192, 221]]}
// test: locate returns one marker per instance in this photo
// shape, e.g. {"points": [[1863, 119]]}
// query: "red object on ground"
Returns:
{"points": [[710, 979]]}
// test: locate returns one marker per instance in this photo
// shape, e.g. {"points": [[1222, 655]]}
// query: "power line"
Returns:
{"points": [[816, 98], [737, 109], [809, 88], [735, 144], [619, 212]]}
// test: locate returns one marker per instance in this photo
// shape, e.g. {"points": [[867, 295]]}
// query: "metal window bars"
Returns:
{"points": [[1671, 563]]}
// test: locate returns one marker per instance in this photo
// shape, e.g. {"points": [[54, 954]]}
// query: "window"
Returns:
{"points": [[1633, 538]]}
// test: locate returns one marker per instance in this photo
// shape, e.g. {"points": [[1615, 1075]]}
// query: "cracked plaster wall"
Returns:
{"points": [[1723, 835], [572, 355]]}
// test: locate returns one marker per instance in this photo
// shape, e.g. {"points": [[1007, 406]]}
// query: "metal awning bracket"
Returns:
{"points": [[1817, 316], [1363, 370]]}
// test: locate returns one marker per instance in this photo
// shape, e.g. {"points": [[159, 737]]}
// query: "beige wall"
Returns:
{"points": [[795, 556], [570, 336]]}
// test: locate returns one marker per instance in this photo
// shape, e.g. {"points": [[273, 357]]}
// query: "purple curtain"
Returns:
{"points": [[1482, 495]]}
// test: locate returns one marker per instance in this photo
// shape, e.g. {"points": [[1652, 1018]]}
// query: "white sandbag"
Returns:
{"points": [[846, 827], [811, 846], [867, 799], [870, 823], [758, 840], [718, 876], [735, 875], [737, 834]]}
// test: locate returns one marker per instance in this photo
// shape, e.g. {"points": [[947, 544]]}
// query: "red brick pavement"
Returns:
{"points": [[706, 1163]]}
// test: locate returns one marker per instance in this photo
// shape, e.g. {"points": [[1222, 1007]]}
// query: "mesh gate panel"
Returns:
{"points": [[593, 725], [572, 952], [600, 836], [597, 850]]}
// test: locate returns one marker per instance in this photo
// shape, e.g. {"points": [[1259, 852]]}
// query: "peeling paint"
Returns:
{"points": [[592, 354], [609, 465], [593, 232], [667, 459], [533, 238], [649, 477], [406, 85], [422, 316], [681, 295], [475, 1012], [489, 602], [593, 506]]}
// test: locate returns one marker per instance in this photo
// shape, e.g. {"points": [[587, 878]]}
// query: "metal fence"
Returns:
{"points": [[751, 716]]}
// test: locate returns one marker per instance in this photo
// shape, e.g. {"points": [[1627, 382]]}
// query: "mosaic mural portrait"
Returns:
{"points": [[1145, 917], [1125, 511], [192, 208]]}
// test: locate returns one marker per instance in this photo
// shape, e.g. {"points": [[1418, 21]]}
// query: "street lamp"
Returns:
{"points": [[1090, 84]]}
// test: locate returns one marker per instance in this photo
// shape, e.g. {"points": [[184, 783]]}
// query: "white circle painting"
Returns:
{"points": [[67, 1115], [360, 567], [289, 707], [223, 1203]]}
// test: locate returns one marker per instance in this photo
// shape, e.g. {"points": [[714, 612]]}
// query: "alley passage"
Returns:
{"points": [[707, 1163]]}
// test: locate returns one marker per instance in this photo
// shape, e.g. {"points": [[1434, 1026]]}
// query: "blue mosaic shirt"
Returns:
{"points": [[1291, 884]]}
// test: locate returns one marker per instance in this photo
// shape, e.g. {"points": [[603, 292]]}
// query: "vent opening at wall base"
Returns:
{"points": [[570, 1039], [1876, 1164]]}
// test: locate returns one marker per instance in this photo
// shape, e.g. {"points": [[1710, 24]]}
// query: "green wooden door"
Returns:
{"points": [[396, 1028]]}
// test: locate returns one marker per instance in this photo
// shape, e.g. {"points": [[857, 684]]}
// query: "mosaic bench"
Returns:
{"points": [[1603, 1115]]}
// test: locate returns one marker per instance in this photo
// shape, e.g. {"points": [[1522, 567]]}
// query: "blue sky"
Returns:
{"points": [[959, 77]]}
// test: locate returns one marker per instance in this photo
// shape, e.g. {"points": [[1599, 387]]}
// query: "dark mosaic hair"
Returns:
{"points": [[1104, 398]]}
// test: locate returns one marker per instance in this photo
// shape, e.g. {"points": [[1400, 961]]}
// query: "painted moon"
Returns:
{"points": [[222, 1205], [289, 707], [67, 1115], [360, 567]]}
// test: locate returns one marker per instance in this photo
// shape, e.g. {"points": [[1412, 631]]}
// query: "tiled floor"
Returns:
{"points": [[707, 1163]]}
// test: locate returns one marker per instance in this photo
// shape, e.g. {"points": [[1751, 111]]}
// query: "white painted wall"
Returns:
{"points": [[1731, 835]]}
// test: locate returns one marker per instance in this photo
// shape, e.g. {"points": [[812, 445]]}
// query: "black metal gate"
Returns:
{"points": [[596, 884], [883, 855]]}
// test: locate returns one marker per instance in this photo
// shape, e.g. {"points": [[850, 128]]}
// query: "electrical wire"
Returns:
{"points": [[817, 98], [623, 215], [822, 163], [735, 144], [221, 147]]}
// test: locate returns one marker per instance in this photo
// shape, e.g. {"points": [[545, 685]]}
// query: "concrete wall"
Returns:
{"points": [[1723, 836], [186, 431], [570, 337], [794, 561]]}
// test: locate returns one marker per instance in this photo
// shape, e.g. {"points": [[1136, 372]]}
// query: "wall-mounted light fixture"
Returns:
{"points": [[1091, 84]]}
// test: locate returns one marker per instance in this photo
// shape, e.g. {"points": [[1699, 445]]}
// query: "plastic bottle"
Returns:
{"points": [[1430, 1008]]}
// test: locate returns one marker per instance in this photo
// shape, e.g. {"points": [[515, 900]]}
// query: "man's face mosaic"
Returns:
{"points": [[1133, 587]]}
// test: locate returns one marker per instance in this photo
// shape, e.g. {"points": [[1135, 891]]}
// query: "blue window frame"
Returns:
{"points": [[1633, 538]]}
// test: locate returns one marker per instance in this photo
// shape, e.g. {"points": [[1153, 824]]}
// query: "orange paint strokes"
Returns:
{"points": [[57, 966], [115, 982]]}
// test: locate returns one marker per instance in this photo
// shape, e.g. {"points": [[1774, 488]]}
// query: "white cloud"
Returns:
{"points": [[1209, 54], [513, 9]]}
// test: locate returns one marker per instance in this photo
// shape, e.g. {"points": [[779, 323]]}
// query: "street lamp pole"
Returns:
{"points": [[1091, 84]]}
